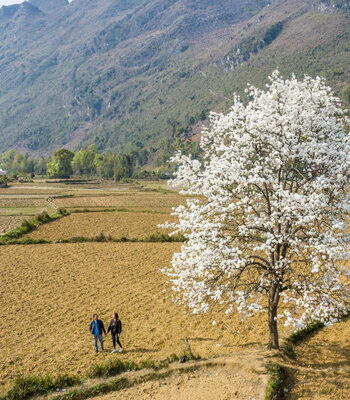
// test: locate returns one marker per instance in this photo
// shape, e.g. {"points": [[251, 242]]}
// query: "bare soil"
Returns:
{"points": [[240, 377]]}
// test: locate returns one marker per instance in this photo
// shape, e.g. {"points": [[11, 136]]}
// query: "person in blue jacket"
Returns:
{"points": [[96, 329]]}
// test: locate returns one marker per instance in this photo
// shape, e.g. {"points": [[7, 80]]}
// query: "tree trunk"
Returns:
{"points": [[274, 296]]}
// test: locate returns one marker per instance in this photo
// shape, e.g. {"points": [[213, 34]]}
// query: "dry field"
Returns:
{"points": [[6, 202], [323, 371], [117, 224], [49, 293], [9, 222], [137, 200]]}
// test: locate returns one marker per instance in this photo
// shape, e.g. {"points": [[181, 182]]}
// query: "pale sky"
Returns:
{"points": [[8, 2]]}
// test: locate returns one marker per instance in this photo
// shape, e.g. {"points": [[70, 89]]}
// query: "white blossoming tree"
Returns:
{"points": [[267, 232]]}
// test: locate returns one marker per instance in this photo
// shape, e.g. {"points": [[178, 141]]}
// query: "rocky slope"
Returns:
{"points": [[127, 73]]}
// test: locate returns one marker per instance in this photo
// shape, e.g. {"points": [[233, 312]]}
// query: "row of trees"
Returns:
{"points": [[65, 163], [89, 162]]}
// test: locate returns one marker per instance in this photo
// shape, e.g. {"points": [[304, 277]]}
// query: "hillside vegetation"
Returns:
{"points": [[127, 75]]}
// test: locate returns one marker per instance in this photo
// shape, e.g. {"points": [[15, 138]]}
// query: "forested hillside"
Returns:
{"points": [[127, 75]]}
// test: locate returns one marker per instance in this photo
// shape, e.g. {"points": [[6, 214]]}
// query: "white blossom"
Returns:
{"points": [[268, 221]]}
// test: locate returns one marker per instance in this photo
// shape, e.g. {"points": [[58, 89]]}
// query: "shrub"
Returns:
{"points": [[112, 368], [164, 237], [275, 386], [24, 388], [43, 217], [26, 226]]}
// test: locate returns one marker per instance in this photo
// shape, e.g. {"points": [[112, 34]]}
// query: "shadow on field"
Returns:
{"points": [[141, 350], [247, 344], [202, 339], [338, 356]]}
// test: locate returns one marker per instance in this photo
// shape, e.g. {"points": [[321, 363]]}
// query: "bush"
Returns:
{"points": [[275, 386], [24, 388], [43, 217], [26, 227], [112, 368], [164, 237]]}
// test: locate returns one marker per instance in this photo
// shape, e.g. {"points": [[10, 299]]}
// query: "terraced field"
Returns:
{"points": [[137, 200], [13, 209], [9, 222], [117, 224], [49, 293]]}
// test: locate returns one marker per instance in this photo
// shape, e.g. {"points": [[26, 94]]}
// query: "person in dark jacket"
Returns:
{"points": [[115, 327], [96, 328]]}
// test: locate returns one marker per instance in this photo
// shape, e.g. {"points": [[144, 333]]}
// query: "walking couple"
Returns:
{"points": [[115, 327]]}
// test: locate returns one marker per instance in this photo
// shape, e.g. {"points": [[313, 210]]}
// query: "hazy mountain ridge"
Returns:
{"points": [[126, 73]]}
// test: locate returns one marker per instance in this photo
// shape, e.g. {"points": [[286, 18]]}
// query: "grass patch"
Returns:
{"points": [[23, 388], [101, 237], [275, 386], [113, 386], [97, 209], [26, 241], [164, 237], [112, 368], [116, 366]]}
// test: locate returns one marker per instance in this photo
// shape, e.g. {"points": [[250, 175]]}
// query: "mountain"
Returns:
{"points": [[127, 74], [48, 5]]}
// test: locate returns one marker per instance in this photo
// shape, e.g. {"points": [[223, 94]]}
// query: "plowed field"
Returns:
{"points": [[18, 202], [139, 200], [9, 222], [117, 224], [49, 293]]}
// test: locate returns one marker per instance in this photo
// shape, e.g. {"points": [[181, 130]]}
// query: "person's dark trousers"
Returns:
{"points": [[115, 339]]}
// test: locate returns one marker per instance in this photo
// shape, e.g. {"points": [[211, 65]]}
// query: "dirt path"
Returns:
{"points": [[240, 377]]}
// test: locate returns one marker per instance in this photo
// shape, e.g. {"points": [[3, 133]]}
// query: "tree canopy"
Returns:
{"points": [[268, 232]]}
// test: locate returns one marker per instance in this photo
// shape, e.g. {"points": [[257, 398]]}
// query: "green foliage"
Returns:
{"points": [[61, 164], [43, 217], [3, 180], [164, 237], [272, 32], [117, 366], [277, 379], [345, 95], [83, 162], [23, 388], [112, 368], [20, 165], [101, 237]]}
